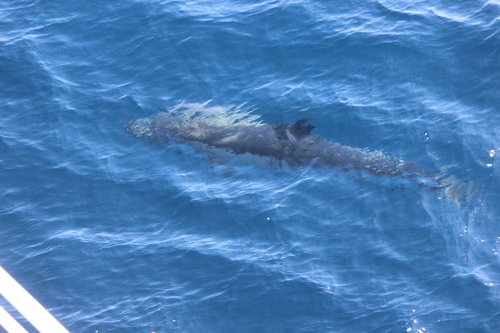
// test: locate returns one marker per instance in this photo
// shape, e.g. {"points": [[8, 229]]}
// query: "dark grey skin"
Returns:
{"points": [[238, 133]]}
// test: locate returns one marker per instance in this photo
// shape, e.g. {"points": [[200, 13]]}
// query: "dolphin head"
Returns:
{"points": [[140, 128]]}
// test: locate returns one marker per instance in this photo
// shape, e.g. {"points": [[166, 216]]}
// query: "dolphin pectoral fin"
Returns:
{"points": [[229, 170], [226, 169], [218, 164]]}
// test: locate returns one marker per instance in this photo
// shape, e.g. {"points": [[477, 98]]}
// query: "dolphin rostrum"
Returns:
{"points": [[229, 131]]}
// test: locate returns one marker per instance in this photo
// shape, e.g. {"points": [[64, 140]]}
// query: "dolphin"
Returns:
{"points": [[232, 132]]}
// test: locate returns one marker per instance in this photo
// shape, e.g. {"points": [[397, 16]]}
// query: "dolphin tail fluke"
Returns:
{"points": [[455, 190]]}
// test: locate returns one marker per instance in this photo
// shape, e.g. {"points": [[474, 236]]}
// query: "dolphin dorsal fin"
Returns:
{"points": [[300, 130]]}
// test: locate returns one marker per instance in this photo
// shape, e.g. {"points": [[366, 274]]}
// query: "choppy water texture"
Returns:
{"points": [[116, 234]]}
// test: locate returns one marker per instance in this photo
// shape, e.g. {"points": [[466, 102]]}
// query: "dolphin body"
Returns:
{"points": [[231, 132]]}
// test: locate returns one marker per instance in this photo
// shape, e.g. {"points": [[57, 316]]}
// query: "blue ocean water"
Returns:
{"points": [[117, 234]]}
